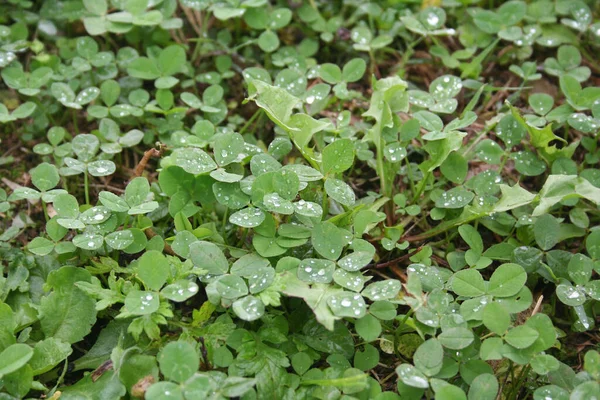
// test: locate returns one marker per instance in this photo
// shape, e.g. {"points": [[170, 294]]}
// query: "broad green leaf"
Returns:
{"points": [[496, 318], [14, 357], [521, 336], [338, 156], [313, 270], [468, 283], [483, 387], [47, 354], [328, 240], [249, 217], [40, 246], [457, 197], [45, 176], [178, 361], [456, 338], [429, 357], [153, 269], [507, 280], [347, 304], [193, 160], [231, 287], [209, 256], [140, 302], [171, 60], [384, 290], [340, 191], [411, 376], [249, 308], [180, 290]]}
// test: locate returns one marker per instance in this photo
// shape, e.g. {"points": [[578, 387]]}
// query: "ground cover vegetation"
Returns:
{"points": [[210, 199]]}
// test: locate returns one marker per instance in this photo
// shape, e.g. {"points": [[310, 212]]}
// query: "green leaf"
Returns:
{"points": [[330, 73], [496, 318], [314, 270], [471, 237], [591, 363], [231, 287], [101, 168], [277, 102], [367, 359], [521, 336], [455, 168], [178, 361], [340, 191], [338, 156], [354, 70], [47, 354], [143, 68], [119, 240], [209, 256], [40, 246], [14, 357], [468, 283], [140, 302], [45, 177], [411, 376], [67, 314], [268, 41], [113, 202], [249, 308], [249, 217], [429, 357], [346, 304], [483, 387], [301, 362], [507, 280], [456, 338], [384, 290], [328, 240], [228, 147], [171, 60], [153, 269], [457, 197], [570, 295], [350, 280], [580, 269], [96, 7], [180, 290], [544, 363]]}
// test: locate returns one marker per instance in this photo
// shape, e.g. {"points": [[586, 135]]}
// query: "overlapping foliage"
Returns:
{"points": [[295, 200]]}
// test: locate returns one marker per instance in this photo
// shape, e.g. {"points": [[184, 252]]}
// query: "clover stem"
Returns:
{"points": [[75, 127], [224, 223], [86, 188], [256, 114], [411, 180], [45, 208], [421, 186]]}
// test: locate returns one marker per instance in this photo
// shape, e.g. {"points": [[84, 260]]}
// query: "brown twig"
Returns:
{"points": [[396, 260], [167, 249], [139, 169], [538, 305]]}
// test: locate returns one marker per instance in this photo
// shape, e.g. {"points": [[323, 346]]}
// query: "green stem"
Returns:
{"points": [[252, 118], [87, 188], [45, 208], [75, 127], [421, 187]]}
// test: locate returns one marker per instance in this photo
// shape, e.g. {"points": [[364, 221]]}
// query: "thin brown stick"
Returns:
{"points": [[190, 17], [139, 169], [396, 260], [538, 305]]}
